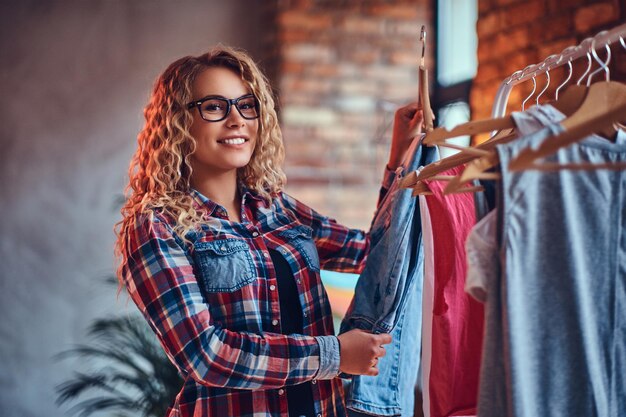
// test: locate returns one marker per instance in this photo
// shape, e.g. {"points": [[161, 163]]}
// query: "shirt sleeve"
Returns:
{"points": [[160, 279], [340, 248]]}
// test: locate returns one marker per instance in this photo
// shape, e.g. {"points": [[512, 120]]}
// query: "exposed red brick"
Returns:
{"points": [[517, 61], [484, 6], [404, 57], [482, 96], [362, 25], [594, 16], [337, 61], [294, 36], [302, 20], [559, 26], [322, 70], [361, 55], [526, 12], [307, 84], [489, 24], [515, 40], [508, 2], [555, 47], [291, 67], [487, 50], [561, 5], [487, 72], [395, 11]]}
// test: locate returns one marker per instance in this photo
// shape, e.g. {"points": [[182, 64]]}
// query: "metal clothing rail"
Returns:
{"points": [[569, 54]]}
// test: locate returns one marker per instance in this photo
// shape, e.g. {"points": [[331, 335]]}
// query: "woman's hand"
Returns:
{"points": [[407, 125], [360, 351]]}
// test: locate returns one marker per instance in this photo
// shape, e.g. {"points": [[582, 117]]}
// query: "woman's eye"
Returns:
{"points": [[213, 106]]}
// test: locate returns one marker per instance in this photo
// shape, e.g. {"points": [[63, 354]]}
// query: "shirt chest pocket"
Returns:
{"points": [[300, 237], [225, 265]]}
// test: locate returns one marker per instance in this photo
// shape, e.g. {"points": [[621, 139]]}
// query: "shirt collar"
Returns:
{"points": [[202, 201], [213, 209]]}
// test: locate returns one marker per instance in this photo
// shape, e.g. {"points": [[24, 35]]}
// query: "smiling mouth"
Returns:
{"points": [[233, 141]]}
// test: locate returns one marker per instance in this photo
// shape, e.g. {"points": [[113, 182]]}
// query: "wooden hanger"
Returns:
{"points": [[413, 179], [603, 106], [439, 135], [478, 167]]}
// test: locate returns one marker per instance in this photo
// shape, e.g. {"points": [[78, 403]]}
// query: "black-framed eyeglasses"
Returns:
{"points": [[217, 108]]}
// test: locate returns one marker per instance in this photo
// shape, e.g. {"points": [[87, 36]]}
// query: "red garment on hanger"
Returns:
{"points": [[457, 322]]}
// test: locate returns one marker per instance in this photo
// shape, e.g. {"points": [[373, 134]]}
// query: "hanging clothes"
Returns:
{"points": [[486, 278], [457, 319], [562, 291], [391, 279]]}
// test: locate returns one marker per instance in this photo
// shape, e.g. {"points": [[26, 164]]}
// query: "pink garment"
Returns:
{"points": [[457, 322]]}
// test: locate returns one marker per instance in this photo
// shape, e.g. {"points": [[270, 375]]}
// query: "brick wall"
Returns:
{"points": [[343, 67], [515, 33]]}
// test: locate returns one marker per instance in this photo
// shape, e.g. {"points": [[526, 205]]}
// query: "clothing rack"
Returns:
{"points": [[569, 54]]}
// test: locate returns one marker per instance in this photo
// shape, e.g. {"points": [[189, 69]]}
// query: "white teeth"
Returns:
{"points": [[236, 141]]}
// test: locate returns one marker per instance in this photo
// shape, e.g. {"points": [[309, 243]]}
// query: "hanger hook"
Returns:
{"points": [[604, 65], [423, 42], [569, 77], [547, 63], [582, 77], [566, 51], [533, 67]]}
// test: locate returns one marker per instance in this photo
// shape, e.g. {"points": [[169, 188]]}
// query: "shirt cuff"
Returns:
{"points": [[329, 357]]}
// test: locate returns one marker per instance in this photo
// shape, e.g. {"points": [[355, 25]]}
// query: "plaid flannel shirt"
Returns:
{"points": [[213, 303]]}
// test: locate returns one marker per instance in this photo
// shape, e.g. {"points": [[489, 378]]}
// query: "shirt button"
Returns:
{"points": [[319, 415], [255, 234], [267, 255], [281, 391], [275, 322], [223, 248], [314, 382], [298, 281], [272, 287], [304, 314]]}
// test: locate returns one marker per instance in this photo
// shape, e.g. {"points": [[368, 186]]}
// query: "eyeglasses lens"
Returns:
{"points": [[215, 109]]}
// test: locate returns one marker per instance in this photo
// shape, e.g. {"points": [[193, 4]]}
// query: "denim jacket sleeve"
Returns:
{"points": [[159, 276]]}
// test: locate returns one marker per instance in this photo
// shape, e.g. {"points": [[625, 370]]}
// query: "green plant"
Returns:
{"points": [[136, 377]]}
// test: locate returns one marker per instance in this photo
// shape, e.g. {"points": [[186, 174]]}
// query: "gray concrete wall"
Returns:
{"points": [[74, 78]]}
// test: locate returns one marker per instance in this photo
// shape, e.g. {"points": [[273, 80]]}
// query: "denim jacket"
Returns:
{"points": [[391, 279]]}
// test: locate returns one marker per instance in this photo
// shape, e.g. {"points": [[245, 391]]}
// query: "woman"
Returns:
{"points": [[224, 265]]}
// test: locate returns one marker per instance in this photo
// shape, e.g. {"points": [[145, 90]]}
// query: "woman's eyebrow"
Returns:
{"points": [[221, 96]]}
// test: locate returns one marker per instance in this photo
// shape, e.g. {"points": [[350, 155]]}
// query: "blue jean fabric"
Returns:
{"points": [[391, 392], [391, 279], [563, 287]]}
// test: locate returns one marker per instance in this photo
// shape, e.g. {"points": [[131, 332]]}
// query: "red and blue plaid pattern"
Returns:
{"points": [[213, 303]]}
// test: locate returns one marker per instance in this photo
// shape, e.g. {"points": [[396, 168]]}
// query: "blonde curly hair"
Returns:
{"points": [[160, 169]]}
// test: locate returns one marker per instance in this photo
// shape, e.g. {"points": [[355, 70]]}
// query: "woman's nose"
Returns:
{"points": [[235, 119]]}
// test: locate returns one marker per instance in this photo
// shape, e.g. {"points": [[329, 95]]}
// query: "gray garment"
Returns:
{"points": [[492, 395], [562, 294]]}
